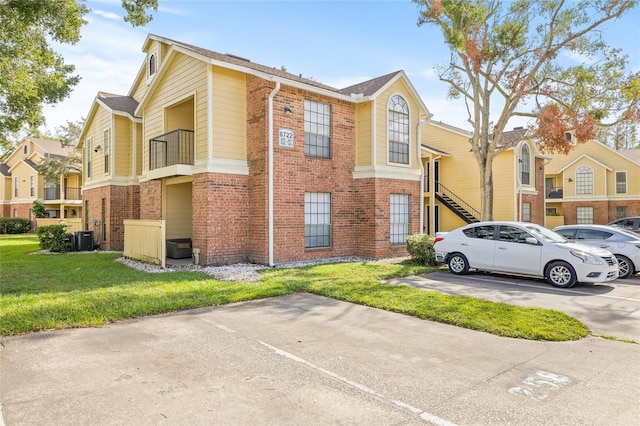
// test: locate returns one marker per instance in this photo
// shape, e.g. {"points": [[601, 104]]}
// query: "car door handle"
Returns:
{"points": [[464, 244], [502, 248], [604, 246]]}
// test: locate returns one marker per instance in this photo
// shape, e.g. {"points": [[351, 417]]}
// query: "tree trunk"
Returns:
{"points": [[486, 189]]}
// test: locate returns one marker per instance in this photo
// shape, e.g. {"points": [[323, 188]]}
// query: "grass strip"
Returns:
{"points": [[53, 291]]}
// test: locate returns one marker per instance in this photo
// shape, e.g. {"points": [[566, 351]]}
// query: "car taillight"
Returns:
{"points": [[438, 239]]}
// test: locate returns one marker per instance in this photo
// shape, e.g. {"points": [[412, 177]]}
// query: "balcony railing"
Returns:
{"points": [[55, 194], [175, 147]]}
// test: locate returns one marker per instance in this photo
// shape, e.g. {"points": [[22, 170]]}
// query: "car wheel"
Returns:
{"points": [[458, 264], [625, 267], [560, 274]]}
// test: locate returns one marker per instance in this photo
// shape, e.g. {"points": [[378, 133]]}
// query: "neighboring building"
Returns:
{"points": [[593, 184], [21, 183], [452, 179], [253, 163]]}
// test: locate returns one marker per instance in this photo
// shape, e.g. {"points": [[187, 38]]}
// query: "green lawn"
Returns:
{"points": [[52, 291]]}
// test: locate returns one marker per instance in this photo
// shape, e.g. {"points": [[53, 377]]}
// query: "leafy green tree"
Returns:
{"points": [[510, 59], [54, 167], [31, 72], [39, 210]]}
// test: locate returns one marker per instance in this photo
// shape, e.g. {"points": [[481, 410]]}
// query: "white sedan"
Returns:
{"points": [[524, 249], [625, 245]]}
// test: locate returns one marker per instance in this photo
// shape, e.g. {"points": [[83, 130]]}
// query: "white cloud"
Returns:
{"points": [[107, 15]]}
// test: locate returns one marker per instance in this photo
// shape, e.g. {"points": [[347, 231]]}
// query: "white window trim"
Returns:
{"points": [[626, 182], [390, 163]]}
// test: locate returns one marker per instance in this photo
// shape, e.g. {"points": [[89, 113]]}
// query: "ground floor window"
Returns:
{"points": [[317, 219], [584, 215], [621, 212], [399, 218], [526, 212]]}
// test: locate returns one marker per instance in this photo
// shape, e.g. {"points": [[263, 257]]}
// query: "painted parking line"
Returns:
{"points": [[561, 290], [433, 419], [428, 417]]}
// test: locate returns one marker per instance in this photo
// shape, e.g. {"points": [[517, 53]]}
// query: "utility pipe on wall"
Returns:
{"points": [[270, 190], [420, 124]]}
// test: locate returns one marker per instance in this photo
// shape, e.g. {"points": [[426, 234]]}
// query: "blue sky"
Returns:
{"points": [[338, 43]]}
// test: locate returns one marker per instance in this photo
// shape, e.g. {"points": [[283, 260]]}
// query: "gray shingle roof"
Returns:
{"points": [[4, 169], [631, 154], [125, 104], [368, 88], [242, 62]]}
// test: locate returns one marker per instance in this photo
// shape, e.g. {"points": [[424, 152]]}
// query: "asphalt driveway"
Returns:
{"points": [[305, 359]]}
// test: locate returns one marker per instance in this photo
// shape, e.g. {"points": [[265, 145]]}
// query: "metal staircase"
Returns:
{"points": [[456, 204]]}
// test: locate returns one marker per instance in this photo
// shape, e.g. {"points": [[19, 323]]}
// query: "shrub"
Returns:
{"points": [[14, 225], [55, 238], [420, 248], [39, 210]]}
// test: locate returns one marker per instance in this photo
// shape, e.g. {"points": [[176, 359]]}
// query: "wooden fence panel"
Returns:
{"points": [[74, 225], [553, 221], [145, 240]]}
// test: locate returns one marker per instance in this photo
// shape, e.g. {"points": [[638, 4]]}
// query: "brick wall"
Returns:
{"points": [[538, 212], [151, 200], [603, 211], [373, 218], [220, 218], [121, 202]]}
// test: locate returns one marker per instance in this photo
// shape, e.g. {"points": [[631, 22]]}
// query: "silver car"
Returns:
{"points": [[524, 249], [625, 245]]}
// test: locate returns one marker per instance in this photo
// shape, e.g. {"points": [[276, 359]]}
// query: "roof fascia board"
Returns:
{"points": [[450, 128], [21, 161], [614, 151], [434, 151], [92, 113]]}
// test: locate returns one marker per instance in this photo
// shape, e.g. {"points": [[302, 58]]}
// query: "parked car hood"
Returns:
{"points": [[596, 251]]}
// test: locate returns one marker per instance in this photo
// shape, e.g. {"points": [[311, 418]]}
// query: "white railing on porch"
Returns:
{"points": [[145, 240]]}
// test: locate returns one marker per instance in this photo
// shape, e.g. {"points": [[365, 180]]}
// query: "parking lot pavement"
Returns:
{"points": [[305, 359], [608, 309]]}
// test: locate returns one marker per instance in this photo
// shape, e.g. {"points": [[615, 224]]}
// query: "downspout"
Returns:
{"points": [[270, 190], [432, 194], [420, 124]]}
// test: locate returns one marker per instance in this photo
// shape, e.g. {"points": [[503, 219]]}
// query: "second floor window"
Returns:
{"points": [[15, 186], [621, 182], [398, 130], [525, 165], [317, 129], [106, 150], [32, 186], [152, 65], [584, 180]]}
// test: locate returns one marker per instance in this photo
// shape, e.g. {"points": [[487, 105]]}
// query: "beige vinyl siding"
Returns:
{"points": [[504, 186], [123, 144], [382, 101], [184, 78], [363, 134], [229, 114], [101, 121], [178, 210], [139, 141], [138, 91], [23, 173], [604, 180], [599, 179], [5, 188]]}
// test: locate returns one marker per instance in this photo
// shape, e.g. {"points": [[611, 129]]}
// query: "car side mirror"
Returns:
{"points": [[531, 240]]}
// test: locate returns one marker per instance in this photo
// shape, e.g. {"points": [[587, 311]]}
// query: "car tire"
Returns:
{"points": [[560, 274], [458, 264], [625, 266]]}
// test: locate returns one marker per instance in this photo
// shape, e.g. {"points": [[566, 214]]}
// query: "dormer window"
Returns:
{"points": [[398, 130], [152, 65], [24, 150]]}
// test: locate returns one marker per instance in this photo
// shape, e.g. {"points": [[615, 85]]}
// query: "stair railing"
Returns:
{"points": [[444, 191]]}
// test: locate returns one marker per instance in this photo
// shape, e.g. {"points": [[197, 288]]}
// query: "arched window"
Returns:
{"points": [[584, 180], [398, 130], [525, 165], [152, 65]]}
